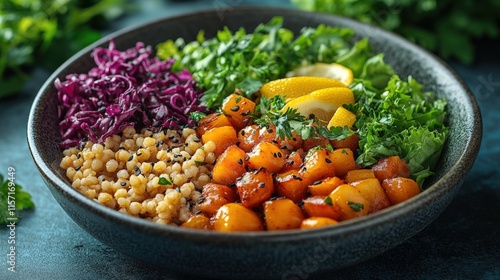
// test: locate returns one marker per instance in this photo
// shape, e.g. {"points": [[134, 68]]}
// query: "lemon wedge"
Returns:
{"points": [[322, 103], [294, 87], [342, 117], [328, 70]]}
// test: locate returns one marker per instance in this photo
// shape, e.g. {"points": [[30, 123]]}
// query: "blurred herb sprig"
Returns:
{"points": [[46, 33], [446, 27]]}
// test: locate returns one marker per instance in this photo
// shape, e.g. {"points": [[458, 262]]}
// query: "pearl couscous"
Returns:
{"points": [[155, 175]]}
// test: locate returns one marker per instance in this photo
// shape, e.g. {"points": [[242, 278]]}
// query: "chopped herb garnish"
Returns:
{"points": [[270, 111], [197, 116], [200, 162], [328, 200], [355, 206], [164, 181]]}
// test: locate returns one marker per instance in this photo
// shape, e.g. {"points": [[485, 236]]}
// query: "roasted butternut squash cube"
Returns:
{"points": [[343, 161], [400, 189], [234, 217], [391, 167], [321, 206], [251, 135], [210, 121], [293, 162], [282, 213], [317, 222], [372, 191], [350, 202], [223, 137], [255, 187], [229, 166], [267, 155], [358, 175], [248, 137], [291, 185], [213, 196], [199, 221], [317, 165], [293, 143], [313, 142], [238, 109], [325, 187], [351, 142]]}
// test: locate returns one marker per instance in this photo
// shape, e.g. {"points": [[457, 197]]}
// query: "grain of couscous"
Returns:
{"points": [[155, 175]]}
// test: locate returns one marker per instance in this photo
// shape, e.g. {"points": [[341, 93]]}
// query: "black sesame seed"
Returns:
{"points": [[235, 108], [262, 185], [317, 183], [138, 173], [175, 140], [297, 178], [78, 156], [131, 158], [242, 133], [196, 139], [283, 147], [78, 168], [270, 130], [198, 212], [123, 184], [240, 161], [275, 155], [328, 160], [311, 116], [280, 155], [201, 200]]}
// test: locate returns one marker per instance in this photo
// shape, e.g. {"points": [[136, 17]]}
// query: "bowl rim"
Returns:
{"points": [[448, 181]]}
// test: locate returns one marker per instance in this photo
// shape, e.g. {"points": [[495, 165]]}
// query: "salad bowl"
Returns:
{"points": [[292, 254]]}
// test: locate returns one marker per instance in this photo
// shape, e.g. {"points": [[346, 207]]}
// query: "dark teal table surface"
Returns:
{"points": [[463, 243]]}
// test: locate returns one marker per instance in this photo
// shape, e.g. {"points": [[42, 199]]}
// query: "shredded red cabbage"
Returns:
{"points": [[126, 88]]}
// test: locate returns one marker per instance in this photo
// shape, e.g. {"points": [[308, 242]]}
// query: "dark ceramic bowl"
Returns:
{"points": [[264, 254]]}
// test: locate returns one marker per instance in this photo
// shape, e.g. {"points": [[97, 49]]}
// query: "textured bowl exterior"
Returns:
{"points": [[286, 255]]}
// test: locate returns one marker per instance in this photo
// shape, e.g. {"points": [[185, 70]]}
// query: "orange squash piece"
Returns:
{"points": [[199, 221], [255, 187], [400, 189], [238, 109], [372, 191], [291, 185], [234, 217], [351, 142], [267, 155], [358, 175], [210, 121], [321, 206], [317, 222], [343, 161], [293, 162], [223, 137], [350, 202], [317, 165], [325, 186], [229, 166], [282, 213], [214, 196], [391, 167]]}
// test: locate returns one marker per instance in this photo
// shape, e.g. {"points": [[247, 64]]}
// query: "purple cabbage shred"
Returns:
{"points": [[129, 88]]}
